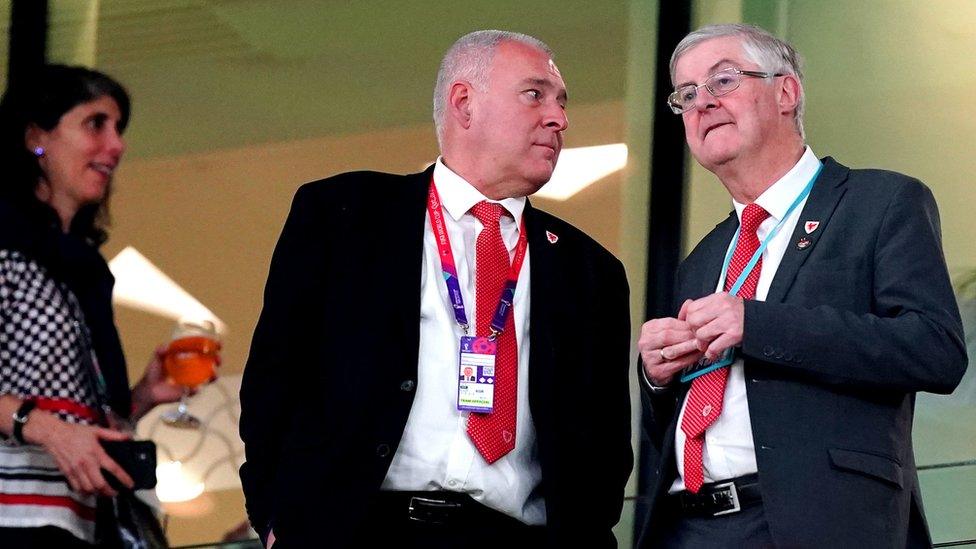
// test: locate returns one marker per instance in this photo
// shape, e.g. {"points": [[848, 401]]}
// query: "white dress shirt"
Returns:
{"points": [[729, 451], [435, 452]]}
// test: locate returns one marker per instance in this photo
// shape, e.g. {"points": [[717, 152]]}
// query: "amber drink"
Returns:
{"points": [[191, 360]]}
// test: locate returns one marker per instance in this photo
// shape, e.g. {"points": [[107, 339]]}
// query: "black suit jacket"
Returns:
{"points": [[332, 371], [852, 327]]}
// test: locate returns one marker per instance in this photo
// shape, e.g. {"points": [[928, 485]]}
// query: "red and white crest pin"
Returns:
{"points": [[811, 226], [552, 237]]}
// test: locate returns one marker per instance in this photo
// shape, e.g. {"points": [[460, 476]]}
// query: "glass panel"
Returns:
{"points": [[858, 80], [949, 494], [945, 446]]}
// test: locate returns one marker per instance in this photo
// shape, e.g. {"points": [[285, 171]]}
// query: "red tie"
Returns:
{"points": [[707, 391], [494, 434]]}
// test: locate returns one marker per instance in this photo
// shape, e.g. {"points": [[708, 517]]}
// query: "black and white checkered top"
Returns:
{"points": [[40, 342], [40, 357]]}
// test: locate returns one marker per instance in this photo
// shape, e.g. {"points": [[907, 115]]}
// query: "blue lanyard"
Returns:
{"points": [[728, 358]]}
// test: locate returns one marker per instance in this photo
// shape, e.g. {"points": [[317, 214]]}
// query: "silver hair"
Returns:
{"points": [[761, 47], [469, 59]]}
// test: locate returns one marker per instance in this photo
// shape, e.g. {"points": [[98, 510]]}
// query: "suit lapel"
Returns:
{"points": [[820, 205], [544, 286]]}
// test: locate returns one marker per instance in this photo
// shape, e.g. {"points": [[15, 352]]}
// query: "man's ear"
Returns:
{"points": [[789, 94], [459, 103]]}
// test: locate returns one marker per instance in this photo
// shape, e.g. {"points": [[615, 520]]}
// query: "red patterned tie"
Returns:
{"points": [[494, 434], [707, 391]]}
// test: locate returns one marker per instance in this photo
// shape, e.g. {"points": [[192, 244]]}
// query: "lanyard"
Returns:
{"points": [[449, 268], [104, 412], [734, 290]]}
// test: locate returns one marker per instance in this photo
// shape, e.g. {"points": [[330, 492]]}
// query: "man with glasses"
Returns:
{"points": [[781, 394]]}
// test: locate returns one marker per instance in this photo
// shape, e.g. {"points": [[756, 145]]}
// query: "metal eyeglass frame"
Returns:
{"points": [[676, 107]]}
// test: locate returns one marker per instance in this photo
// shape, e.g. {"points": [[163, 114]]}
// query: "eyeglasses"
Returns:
{"points": [[721, 83]]}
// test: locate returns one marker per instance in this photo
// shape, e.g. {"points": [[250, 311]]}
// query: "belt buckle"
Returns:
{"points": [[431, 511], [726, 489]]}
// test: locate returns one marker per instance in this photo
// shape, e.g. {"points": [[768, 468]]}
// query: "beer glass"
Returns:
{"points": [[191, 360]]}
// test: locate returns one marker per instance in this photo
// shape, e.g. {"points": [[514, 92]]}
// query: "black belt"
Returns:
{"points": [[720, 498], [441, 508]]}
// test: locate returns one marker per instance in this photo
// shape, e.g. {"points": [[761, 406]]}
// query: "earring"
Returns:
{"points": [[38, 151]]}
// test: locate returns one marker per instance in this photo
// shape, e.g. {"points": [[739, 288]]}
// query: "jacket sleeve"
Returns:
{"points": [[273, 366], [906, 335], [618, 411], [659, 404], [605, 436], [659, 407]]}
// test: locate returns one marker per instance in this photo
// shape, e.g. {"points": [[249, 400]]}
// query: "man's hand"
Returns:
{"points": [[667, 346], [718, 321]]}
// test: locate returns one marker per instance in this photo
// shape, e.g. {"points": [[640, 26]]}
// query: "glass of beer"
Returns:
{"points": [[191, 360]]}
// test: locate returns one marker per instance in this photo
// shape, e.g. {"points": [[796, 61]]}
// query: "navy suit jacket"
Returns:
{"points": [[854, 325], [332, 370]]}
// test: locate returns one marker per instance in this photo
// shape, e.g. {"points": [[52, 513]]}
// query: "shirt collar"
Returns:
{"points": [[458, 196], [780, 195]]}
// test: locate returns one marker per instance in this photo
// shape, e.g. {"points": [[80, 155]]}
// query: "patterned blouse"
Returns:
{"points": [[40, 358]]}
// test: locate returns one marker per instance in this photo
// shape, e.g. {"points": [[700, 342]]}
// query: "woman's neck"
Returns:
{"points": [[65, 208]]}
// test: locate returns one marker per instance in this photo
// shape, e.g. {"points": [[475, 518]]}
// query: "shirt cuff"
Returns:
{"points": [[650, 385]]}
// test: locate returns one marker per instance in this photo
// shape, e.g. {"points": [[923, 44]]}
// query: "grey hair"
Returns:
{"points": [[470, 59], [761, 47]]}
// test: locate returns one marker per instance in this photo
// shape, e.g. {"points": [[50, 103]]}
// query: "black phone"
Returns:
{"points": [[137, 457]]}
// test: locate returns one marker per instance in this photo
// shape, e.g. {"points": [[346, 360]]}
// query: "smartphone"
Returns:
{"points": [[136, 457]]}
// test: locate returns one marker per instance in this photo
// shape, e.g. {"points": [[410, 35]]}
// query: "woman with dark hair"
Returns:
{"points": [[61, 362]]}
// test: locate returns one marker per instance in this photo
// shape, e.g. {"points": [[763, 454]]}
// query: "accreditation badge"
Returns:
{"points": [[703, 367], [476, 375]]}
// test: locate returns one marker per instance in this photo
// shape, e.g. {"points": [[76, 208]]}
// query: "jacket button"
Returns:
{"points": [[383, 450], [768, 351], [407, 386]]}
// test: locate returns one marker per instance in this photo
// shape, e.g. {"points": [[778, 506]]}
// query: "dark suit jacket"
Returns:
{"points": [[333, 365], [852, 327]]}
